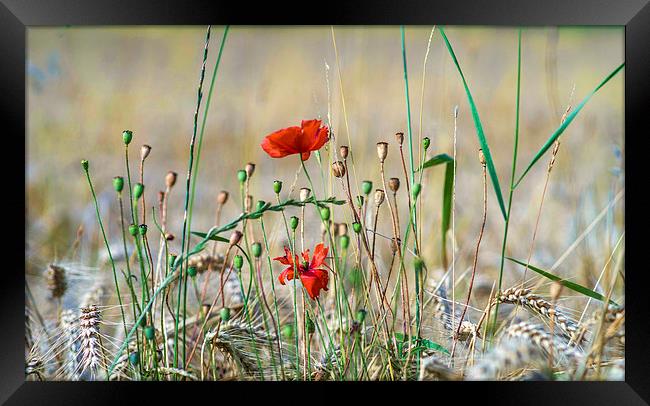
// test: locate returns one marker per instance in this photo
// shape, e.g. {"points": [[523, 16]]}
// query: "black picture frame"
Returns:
{"points": [[17, 15]]}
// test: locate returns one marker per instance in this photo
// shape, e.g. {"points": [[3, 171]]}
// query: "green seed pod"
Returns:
{"points": [[425, 143], [118, 184], [366, 186], [257, 249], [293, 222], [356, 226], [355, 276], [127, 136], [143, 322], [241, 176], [138, 190], [277, 186], [260, 204], [325, 213], [287, 331], [360, 200], [150, 333], [361, 315], [142, 229], [84, 165], [225, 314], [345, 242], [309, 324], [133, 230], [172, 259], [191, 271], [416, 190], [238, 262], [134, 358]]}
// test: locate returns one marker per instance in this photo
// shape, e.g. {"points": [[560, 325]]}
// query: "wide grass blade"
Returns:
{"points": [[448, 161], [566, 123], [479, 129], [568, 284]]}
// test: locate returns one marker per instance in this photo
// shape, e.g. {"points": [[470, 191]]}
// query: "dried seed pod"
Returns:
{"points": [[145, 150], [304, 194], [382, 151], [250, 169], [169, 237], [235, 237], [481, 157], [400, 138], [342, 229], [222, 197], [248, 203], [338, 169], [170, 179], [379, 197], [343, 151], [56, 280], [393, 184]]}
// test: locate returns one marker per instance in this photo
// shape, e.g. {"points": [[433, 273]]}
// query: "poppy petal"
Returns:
{"points": [[283, 142], [286, 274], [320, 253], [314, 280]]}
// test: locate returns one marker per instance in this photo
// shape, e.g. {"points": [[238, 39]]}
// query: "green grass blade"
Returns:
{"points": [[566, 123], [568, 284], [213, 238], [479, 128], [446, 196]]}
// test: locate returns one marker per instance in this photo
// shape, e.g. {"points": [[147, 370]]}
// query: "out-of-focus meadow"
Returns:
{"points": [[86, 85]]}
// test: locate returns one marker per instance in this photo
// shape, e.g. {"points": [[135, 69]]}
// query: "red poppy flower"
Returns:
{"points": [[312, 277], [310, 136]]}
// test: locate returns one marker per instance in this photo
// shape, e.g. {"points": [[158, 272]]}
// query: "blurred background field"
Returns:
{"points": [[87, 84]]}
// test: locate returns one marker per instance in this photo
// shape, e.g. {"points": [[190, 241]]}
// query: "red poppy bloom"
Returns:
{"points": [[310, 136], [312, 277]]}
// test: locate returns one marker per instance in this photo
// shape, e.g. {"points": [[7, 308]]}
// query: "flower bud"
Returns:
{"points": [[304, 194], [325, 213], [343, 151], [416, 190], [379, 197], [142, 229], [345, 242], [145, 150], [222, 197], [224, 313], [341, 229], [84, 165], [133, 230], [256, 248], [149, 333], [191, 271], [138, 190], [309, 325], [250, 169], [393, 184], [366, 187], [260, 205], [287, 331], [399, 137], [118, 184], [361, 315], [238, 262], [170, 179], [356, 226], [426, 141], [382, 151], [277, 186], [293, 222], [134, 358], [481, 157], [235, 237], [360, 200], [241, 176], [127, 136], [338, 169]]}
